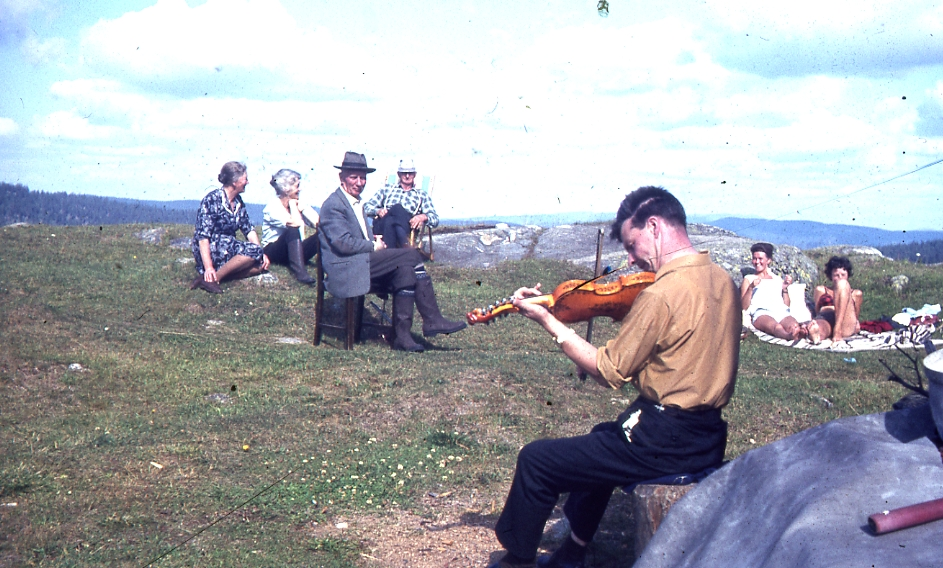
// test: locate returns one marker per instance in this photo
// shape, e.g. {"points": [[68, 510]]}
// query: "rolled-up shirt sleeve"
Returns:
{"points": [[375, 203], [636, 346], [429, 209]]}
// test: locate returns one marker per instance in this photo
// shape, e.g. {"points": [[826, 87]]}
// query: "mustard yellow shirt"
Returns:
{"points": [[680, 343]]}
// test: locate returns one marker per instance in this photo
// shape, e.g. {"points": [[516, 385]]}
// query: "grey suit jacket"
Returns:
{"points": [[345, 252]]}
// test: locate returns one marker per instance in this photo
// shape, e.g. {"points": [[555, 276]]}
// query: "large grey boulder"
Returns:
{"points": [[732, 253], [484, 247], [481, 248], [805, 500], [847, 250]]}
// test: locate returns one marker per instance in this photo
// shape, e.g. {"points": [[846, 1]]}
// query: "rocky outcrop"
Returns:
{"points": [[732, 252], [485, 247], [153, 236], [847, 250], [481, 248]]}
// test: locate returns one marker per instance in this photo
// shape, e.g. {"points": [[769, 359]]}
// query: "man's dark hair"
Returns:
{"points": [[644, 202], [765, 248], [837, 262]]}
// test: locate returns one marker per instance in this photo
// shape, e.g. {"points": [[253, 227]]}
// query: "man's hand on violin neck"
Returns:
{"points": [[527, 292]]}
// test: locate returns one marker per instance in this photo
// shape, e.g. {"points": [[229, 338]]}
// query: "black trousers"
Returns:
{"points": [[394, 226], [661, 441], [393, 269], [277, 251]]}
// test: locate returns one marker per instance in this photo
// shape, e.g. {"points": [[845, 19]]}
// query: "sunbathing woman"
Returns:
{"points": [[836, 308], [764, 297]]}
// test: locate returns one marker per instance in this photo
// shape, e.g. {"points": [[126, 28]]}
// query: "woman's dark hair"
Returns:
{"points": [[231, 172], [765, 248], [837, 262], [644, 202]]}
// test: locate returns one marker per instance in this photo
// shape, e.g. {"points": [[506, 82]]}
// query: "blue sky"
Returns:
{"points": [[783, 112]]}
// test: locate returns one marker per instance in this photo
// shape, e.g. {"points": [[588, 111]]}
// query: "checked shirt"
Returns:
{"points": [[415, 201]]}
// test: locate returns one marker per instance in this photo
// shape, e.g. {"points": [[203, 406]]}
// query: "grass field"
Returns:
{"points": [[136, 413]]}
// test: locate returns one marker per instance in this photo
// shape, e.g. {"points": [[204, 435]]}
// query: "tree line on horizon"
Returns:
{"points": [[922, 252], [20, 205]]}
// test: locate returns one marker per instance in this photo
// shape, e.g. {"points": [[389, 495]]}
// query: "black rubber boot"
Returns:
{"points": [[432, 321], [296, 261], [570, 555], [403, 322]]}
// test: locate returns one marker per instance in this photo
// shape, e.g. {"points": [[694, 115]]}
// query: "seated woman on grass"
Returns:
{"points": [[283, 226], [764, 297], [836, 308], [218, 253]]}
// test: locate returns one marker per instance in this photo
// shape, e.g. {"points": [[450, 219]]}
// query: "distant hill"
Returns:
{"points": [[546, 221], [925, 252], [20, 205], [811, 234], [190, 206]]}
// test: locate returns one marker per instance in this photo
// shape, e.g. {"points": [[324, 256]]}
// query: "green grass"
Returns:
{"points": [[127, 458]]}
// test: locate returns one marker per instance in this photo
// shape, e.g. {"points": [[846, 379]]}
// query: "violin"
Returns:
{"points": [[577, 300]]}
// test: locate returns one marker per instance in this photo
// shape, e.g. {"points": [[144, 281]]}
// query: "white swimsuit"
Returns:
{"points": [[767, 300]]}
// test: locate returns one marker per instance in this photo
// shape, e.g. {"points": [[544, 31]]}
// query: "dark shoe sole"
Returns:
{"points": [[211, 287], [459, 326], [548, 561], [306, 279], [414, 348]]}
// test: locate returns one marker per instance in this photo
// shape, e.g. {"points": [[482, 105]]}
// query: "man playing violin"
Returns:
{"points": [[679, 346]]}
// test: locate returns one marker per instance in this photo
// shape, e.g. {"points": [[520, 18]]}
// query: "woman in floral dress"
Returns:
{"points": [[219, 254]]}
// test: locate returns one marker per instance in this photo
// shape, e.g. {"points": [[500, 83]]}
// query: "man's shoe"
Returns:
{"points": [[502, 564], [443, 326], [409, 345], [551, 561]]}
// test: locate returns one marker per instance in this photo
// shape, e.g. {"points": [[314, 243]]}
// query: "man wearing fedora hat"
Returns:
{"points": [[400, 207], [357, 262]]}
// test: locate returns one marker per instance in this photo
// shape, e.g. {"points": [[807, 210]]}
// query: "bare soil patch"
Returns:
{"points": [[460, 532]]}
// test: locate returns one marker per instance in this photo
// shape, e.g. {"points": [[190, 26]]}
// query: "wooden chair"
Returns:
{"points": [[424, 233], [353, 311]]}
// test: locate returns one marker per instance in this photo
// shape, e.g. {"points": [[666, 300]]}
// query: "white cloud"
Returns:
{"points": [[8, 126], [14, 18], [837, 37], [17, 8], [41, 52], [69, 125], [171, 41], [556, 114]]}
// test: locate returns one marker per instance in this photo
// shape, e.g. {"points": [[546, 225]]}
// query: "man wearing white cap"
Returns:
{"points": [[400, 207], [356, 261]]}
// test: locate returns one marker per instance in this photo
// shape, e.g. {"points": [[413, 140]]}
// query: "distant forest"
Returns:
{"points": [[924, 252], [20, 205]]}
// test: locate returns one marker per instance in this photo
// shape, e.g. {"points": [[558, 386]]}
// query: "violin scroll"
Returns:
{"points": [[503, 308]]}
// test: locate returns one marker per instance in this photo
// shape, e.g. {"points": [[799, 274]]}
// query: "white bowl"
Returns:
{"points": [[933, 364]]}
